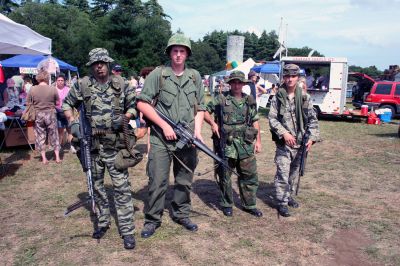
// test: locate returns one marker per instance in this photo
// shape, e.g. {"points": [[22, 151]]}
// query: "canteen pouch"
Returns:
{"points": [[250, 134], [124, 159]]}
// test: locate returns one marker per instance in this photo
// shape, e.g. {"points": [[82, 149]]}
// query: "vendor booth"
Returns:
{"points": [[19, 39], [25, 61]]}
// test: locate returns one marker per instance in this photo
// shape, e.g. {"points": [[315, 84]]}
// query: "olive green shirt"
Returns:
{"points": [[178, 98], [237, 113]]}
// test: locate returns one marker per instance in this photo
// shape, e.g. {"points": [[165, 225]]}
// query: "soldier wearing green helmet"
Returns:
{"points": [[177, 92]]}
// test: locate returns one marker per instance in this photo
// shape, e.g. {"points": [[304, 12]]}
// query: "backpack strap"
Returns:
{"points": [[117, 84], [161, 84], [85, 87]]}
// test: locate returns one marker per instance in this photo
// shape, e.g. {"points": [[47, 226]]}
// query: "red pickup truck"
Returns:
{"points": [[382, 94]]}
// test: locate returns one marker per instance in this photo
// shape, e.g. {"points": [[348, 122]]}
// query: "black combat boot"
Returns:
{"points": [[283, 211], [100, 232], [227, 211], [187, 223], [148, 230], [129, 242], [292, 203], [255, 212]]}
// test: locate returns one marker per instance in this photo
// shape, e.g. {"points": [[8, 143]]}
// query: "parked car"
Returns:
{"points": [[385, 94], [377, 94]]}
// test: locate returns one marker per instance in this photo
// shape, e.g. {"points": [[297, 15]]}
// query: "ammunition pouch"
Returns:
{"points": [[125, 159], [276, 139], [250, 134]]}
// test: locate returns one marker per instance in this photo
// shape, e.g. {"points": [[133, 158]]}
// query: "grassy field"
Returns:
{"points": [[349, 212]]}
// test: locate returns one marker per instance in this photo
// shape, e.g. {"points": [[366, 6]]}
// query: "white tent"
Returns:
{"points": [[19, 39], [245, 66]]}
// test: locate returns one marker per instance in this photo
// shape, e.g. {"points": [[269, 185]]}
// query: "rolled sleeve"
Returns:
{"points": [[73, 99], [151, 87]]}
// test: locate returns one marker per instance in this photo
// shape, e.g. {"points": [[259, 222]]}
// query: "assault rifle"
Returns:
{"points": [[185, 135], [85, 142], [303, 158], [219, 143]]}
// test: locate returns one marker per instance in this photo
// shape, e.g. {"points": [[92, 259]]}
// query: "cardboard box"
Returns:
{"points": [[15, 137]]}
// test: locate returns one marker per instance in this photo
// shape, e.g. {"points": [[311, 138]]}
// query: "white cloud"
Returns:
{"points": [[366, 30]]}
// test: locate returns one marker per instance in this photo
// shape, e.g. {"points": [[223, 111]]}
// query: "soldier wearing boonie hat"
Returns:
{"points": [[99, 55], [109, 102], [237, 112]]}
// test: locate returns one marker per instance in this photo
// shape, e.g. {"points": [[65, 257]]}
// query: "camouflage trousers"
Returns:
{"points": [[122, 192], [287, 162], [247, 183], [158, 168], [46, 127]]}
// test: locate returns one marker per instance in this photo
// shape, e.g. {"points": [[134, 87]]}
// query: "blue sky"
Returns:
{"points": [[367, 32]]}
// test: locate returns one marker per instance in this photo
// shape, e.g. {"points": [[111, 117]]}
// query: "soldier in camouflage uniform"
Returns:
{"points": [[291, 113], [176, 91], [106, 99], [242, 130]]}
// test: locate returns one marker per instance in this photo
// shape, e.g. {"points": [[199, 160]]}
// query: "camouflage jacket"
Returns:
{"points": [[237, 116], [288, 123], [179, 98], [102, 98]]}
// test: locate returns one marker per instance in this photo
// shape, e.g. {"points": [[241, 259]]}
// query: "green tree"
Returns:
{"points": [[7, 6], [82, 5], [72, 32], [303, 52], [205, 59], [371, 71]]}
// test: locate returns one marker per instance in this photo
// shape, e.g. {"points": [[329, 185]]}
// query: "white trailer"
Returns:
{"points": [[331, 99]]}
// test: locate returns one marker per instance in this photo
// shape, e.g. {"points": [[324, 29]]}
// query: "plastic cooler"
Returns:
{"points": [[386, 116]]}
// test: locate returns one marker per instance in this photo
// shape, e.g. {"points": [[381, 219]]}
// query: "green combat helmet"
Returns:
{"points": [[97, 55], [178, 39]]}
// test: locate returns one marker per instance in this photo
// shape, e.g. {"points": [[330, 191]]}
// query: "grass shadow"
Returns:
{"points": [[386, 135], [266, 193], [9, 165]]}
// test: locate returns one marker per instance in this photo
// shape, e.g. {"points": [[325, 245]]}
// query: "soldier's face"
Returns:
{"points": [[290, 80], [100, 70], [236, 86], [178, 54]]}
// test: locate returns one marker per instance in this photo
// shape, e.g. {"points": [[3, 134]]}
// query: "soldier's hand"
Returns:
{"points": [[257, 147], [199, 137], [289, 139], [169, 133], [215, 129], [309, 144]]}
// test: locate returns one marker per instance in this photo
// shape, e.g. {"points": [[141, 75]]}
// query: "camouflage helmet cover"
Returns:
{"points": [[179, 39], [99, 54], [239, 75], [291, 70]]}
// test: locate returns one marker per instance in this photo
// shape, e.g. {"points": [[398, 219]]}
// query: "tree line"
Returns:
{"points": [[134, 32]]}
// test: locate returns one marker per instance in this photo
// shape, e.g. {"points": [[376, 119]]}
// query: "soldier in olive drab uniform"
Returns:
{"points": [[107, 99], [242, 130], [290, 115], [177, 92]]}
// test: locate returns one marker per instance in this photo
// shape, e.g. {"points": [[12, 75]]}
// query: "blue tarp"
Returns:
{"points": [[25, 60], [273, 67]]}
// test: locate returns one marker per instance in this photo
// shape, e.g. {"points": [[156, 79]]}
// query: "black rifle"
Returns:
{"points": [[303, 158], [85, 142], [185, 135], [219, 143]]}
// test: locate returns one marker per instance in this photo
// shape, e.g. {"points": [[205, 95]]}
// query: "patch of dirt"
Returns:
{"points": [[345, 247]]}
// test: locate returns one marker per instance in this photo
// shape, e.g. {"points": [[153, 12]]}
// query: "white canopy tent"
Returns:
{"points": [[19, 39]]}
